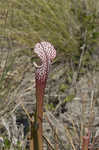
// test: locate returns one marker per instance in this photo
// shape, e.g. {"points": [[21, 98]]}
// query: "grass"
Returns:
{"points": [[71, 26], [61, 23]]}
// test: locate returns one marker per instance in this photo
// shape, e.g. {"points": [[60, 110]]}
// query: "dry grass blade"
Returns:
{"points": [[56, 140], [27, 113], [69, 137], [55, 132], [74, 128], [31, 127], [49, 143], [83, 96], [60, 128], [92, 113]]}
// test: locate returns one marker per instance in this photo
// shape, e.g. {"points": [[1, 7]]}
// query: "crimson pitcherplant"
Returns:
{"points": [[46, 53]]}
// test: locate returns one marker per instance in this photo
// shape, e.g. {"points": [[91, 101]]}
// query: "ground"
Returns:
{"points": [[68, 102]]}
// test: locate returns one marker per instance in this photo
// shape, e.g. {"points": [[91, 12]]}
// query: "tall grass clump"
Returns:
{"points": [[69, 25]]}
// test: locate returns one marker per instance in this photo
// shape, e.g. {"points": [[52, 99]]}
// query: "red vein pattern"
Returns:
{"points": [[46, 53]]}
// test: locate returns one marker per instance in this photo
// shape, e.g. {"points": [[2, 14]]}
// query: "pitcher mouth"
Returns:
{"points": [[37, 66]]}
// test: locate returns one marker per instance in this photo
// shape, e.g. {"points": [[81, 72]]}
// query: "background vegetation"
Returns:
{"points": [[72, 26], [67, 24]]}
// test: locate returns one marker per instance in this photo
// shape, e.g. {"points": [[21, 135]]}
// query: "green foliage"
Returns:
{"points": [[50, 106], [7, 143], [69, 98], [66, 24], [63, 87], [69, 76]]}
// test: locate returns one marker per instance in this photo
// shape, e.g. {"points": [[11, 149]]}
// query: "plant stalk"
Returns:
{"points": [[36, 142]]}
